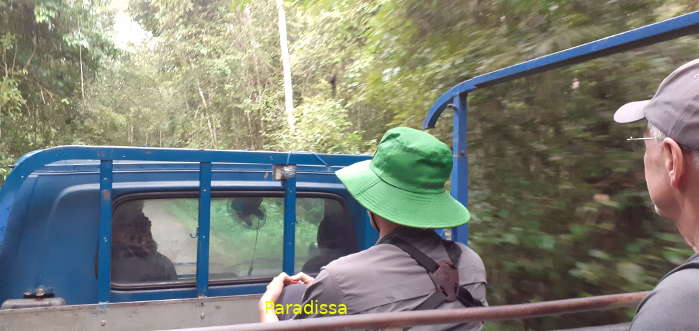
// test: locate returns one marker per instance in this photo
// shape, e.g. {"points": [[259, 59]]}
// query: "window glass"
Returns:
{"points": [[154, 240], [324, 232], [246, 237], [151, 242]]}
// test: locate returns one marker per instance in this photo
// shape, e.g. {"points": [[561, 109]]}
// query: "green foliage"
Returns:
{"points": [[50, 49], [215, 82], [321, 126], [10, 95]]}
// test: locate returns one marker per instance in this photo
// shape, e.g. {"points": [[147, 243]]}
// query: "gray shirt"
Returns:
{"points": [[384, 278], [673, 304]]}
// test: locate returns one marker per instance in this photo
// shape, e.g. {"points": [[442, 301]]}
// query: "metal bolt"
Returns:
{"points": [[40, 292], [202, 315], [103, 323], [290, 171]]}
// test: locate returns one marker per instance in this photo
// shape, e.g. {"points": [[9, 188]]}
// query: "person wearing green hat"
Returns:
{"points": [[411, 267]]}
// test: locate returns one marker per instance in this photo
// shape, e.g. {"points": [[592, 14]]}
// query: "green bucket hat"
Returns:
{"points": [[404, 182]]}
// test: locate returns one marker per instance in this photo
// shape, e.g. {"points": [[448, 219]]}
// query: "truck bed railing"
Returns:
{"points": [[399, 320], [457, 97]]}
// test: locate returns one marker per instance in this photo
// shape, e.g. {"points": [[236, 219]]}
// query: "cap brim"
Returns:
{"points": [[420, 210], [631, 112]]}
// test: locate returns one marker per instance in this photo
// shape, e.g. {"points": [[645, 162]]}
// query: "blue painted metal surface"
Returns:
{"points": [[105, 230], [204, 229], [459, 172], [457, 96], [37, 159], [58, 192], [289, 225], [649, 34]]}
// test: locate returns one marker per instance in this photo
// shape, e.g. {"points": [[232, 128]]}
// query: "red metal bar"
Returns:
{"points": [[442, 316]]}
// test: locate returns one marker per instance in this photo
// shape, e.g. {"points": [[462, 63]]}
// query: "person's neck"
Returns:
{"points": [[386, 228], [688, 222]]}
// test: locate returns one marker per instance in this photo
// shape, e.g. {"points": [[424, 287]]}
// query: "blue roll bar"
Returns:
{"points": [[457, 96], [459, 172]]}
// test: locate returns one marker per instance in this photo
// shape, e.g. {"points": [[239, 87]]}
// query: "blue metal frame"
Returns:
{"points": [[459, 172], [289, 225], [34, 161], [204, 229], [457, 96], [105, 239]]}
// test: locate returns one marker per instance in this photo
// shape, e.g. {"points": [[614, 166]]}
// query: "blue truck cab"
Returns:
{"points": [[87, 225]]}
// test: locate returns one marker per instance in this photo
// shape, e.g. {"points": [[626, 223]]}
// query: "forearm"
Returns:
{"points": [[266, 305], [265, 308]]}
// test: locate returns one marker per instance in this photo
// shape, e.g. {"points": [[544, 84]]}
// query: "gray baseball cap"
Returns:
{"points": [[674, 109]]}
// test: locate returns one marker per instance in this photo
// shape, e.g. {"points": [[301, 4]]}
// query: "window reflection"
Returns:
{"points": [[154, 240]]}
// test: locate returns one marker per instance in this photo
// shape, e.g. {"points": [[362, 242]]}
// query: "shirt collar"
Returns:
{"points": [[412, 234], [693, 257]]}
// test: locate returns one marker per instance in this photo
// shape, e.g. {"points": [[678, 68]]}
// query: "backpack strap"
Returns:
{"points": [[462, 294], [444, 274], [421, 258]]}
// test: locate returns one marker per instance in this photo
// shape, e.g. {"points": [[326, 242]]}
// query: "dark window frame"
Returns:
{"points": [[214, 194]]}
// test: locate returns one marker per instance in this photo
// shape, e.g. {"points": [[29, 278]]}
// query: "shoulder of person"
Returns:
{"points": [[368, 256], [471, 265], [469, 254], [685, 280], [672, 304]]}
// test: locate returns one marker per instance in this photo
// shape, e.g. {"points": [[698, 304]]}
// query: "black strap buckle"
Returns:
{"points": [[444, 274]]}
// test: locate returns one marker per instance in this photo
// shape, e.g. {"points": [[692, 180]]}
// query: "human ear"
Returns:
{"points": [[674, 162], [372, 221]]}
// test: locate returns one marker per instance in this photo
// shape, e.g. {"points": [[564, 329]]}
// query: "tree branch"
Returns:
{"points": [[31, 56]]}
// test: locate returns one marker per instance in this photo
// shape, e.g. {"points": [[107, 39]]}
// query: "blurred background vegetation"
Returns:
{"points": [[558, 195]]}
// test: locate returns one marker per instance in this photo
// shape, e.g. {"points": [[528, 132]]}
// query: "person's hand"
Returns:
{"points": [[274, 290], [302, 278]]}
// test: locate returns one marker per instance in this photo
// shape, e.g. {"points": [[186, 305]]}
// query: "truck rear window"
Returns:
{"points": [[154, 239]]}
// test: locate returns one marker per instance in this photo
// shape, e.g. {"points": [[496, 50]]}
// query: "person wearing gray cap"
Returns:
{"points": [[671, 163]]}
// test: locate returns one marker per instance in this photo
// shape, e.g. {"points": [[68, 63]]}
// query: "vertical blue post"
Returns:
{"points": [[459, 173], [289, 224], [105, 239], [203, 229]]}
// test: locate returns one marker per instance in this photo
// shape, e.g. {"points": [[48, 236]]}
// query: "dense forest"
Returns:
{"points": [[558, 197]]}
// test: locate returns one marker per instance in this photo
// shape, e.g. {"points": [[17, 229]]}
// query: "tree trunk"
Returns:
{"points": [[212, 128], [80, 55], [286, 67]]}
